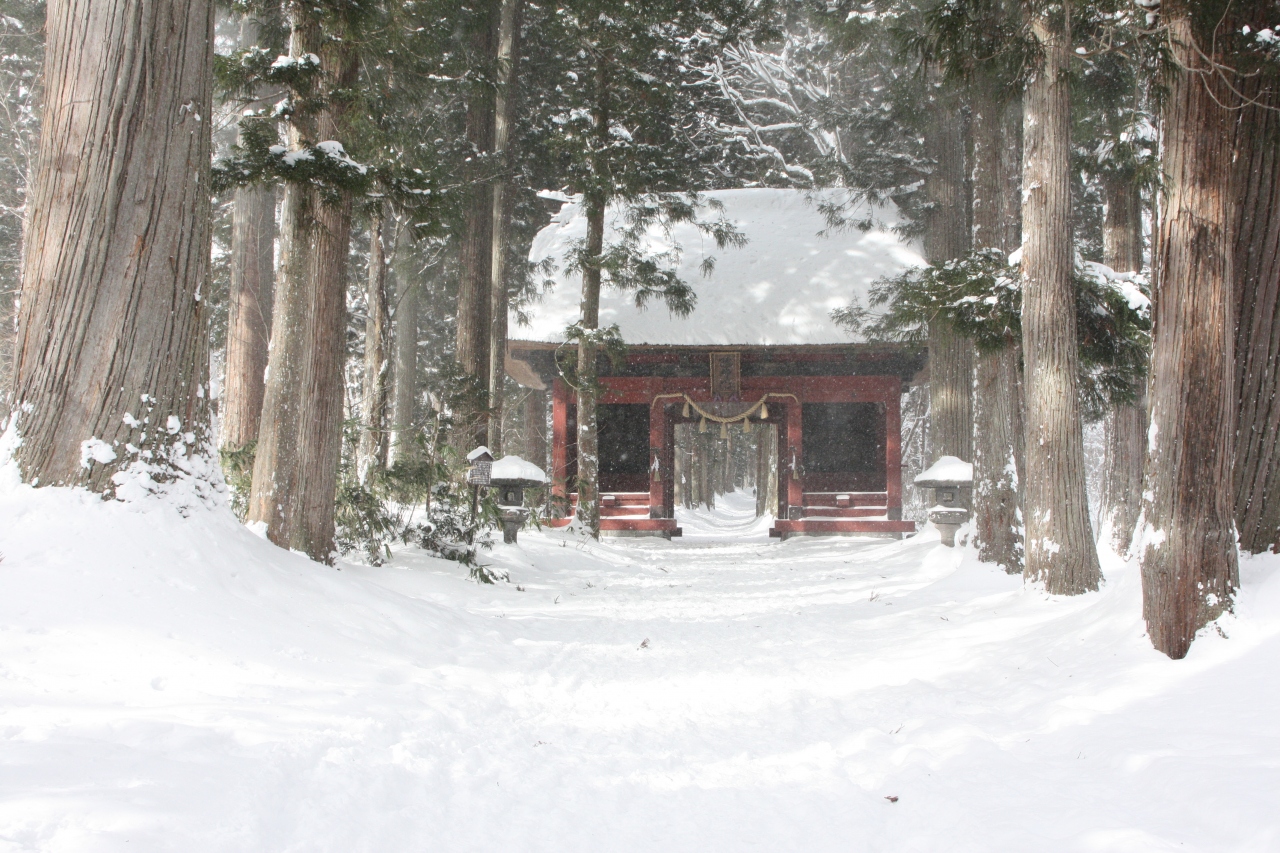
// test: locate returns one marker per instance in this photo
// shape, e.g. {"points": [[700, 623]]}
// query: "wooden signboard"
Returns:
{"points": [[726, 375]]}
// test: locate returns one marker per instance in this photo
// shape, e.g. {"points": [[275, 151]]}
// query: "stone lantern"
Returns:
{"points": [[509, 477], [952, 482]]}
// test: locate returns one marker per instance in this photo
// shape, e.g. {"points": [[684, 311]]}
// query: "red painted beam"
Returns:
{"points": [[809, 389]]}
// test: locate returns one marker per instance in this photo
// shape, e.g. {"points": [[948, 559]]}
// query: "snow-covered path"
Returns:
{"points": [[182, 685]]}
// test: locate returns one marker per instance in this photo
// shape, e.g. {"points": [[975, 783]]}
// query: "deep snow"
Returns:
{"points": [[171, 684]]}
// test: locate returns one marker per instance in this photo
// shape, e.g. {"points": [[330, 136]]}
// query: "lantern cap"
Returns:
{"points": [[514, 471], [480, 454], [947, 472]]}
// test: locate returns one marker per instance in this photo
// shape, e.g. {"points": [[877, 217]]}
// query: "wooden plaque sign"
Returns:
{"points": [[726, 375]]}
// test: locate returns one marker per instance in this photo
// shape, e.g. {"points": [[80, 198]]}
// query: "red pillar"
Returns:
{"points": [[658, 472], [893, 455], [793, 464], [559, 439]]}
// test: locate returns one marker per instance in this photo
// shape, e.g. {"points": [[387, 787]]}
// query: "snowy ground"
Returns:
{"points": [[181, 685]]}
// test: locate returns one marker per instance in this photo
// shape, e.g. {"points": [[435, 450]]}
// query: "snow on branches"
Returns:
{"points": [[980, 295]]}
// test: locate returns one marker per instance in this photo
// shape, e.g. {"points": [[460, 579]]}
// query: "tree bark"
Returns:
{"points": [[296, 466], [947, 237], [996, 517], [1189, 571], [1122, 228], [404, 396], [253, 236], [372, 452], [504, 117], [1126, 428], [109, 359], [1060, 549], [996, 525], [249, 320], [1257, 300], [475, 250]]}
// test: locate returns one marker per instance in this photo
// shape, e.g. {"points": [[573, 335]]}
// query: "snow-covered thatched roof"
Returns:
{"points": [[779, 289]]}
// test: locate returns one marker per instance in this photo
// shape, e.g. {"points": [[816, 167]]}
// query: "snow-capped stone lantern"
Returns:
{"points": [[951, 480], [509, 477]]}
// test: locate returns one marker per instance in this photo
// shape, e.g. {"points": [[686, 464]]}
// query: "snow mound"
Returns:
{"points": [[780, 288]]}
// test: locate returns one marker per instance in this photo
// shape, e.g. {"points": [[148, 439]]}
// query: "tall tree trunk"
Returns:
{"points": [[109, 359], [947, 237], [475, 249], [1257, 299], [1189, 571], [504, 117], [373, 437], [405, 376], [249, 321], [296, 467], [253, 236], [588, 441], [596, 202], [995, 474], [1125, 428], [1060, 545], [1011, 205]]}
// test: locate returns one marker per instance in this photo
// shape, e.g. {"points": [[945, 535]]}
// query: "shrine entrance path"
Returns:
{"points": [[726, 691]]}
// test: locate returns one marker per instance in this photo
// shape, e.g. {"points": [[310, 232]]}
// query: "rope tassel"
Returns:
{"points": [[764, 411], [724, 430], [686, 408], [702, 425]]}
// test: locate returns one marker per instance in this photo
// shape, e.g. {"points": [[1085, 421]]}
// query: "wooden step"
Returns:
{"points": [[844, 499], [850, 512], [624, 499], [828, 526], [660, 526], [616, 498], [627, 511]]}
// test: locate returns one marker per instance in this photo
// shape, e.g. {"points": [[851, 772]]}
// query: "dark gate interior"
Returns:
{"points": [[623, 429], [844, 447]]}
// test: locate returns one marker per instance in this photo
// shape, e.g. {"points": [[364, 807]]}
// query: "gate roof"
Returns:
{"points": [[777, 290]]}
